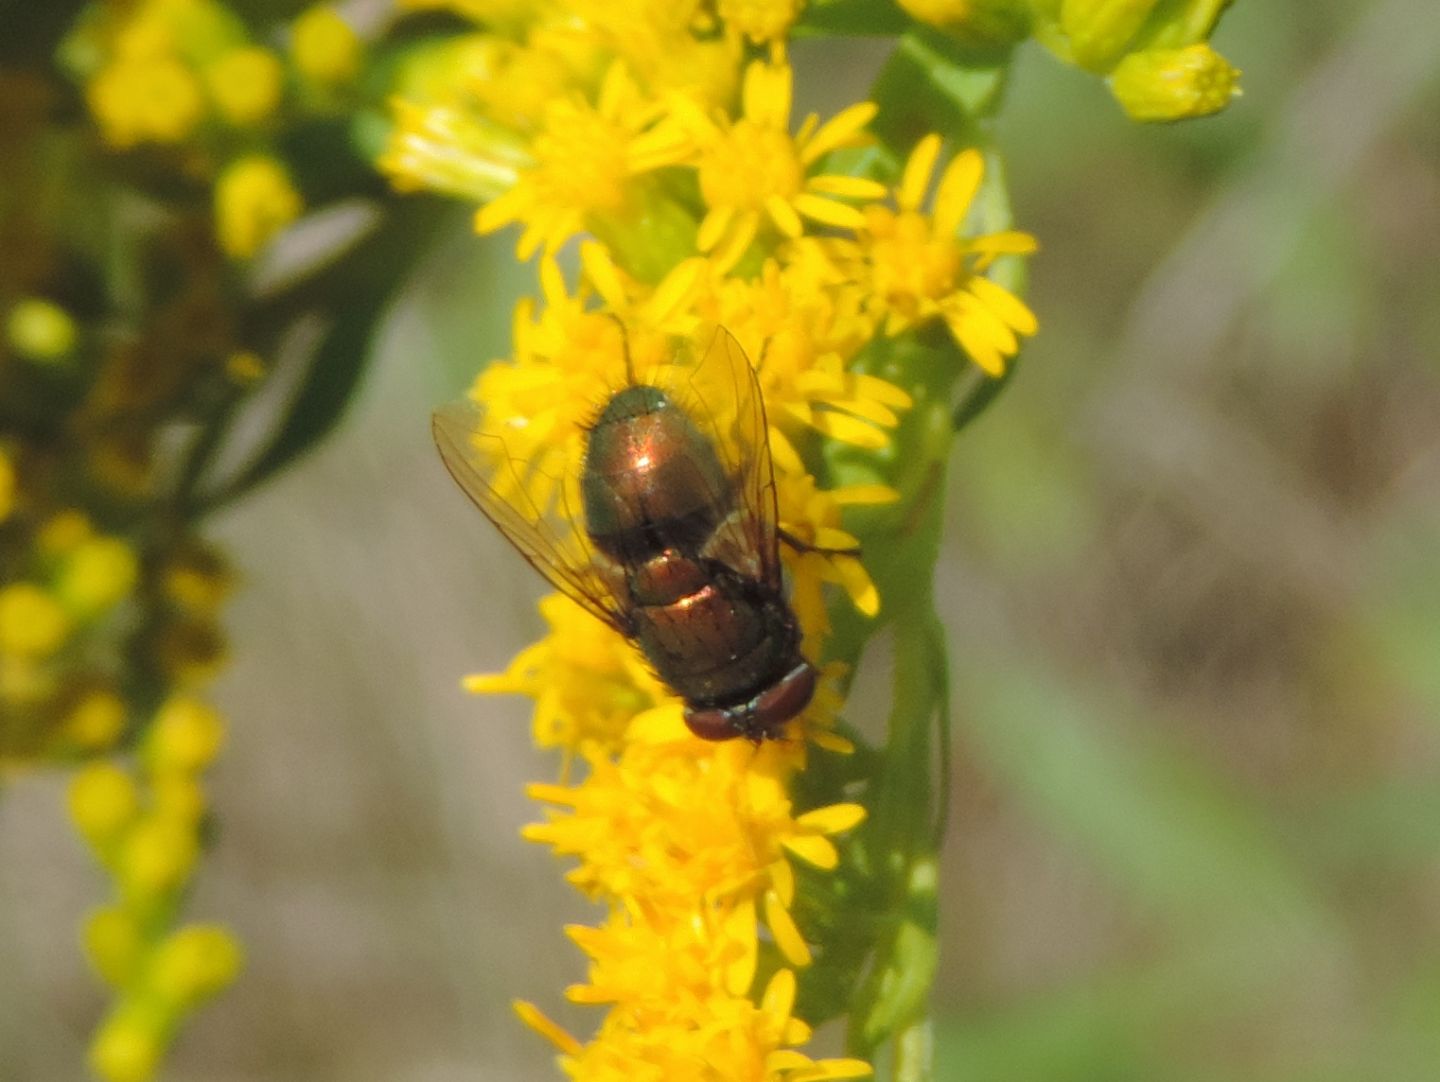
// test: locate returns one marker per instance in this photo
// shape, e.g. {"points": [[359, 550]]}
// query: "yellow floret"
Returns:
{"points": [[325, 48], [32, 622], [246, 84], [254, 200]]}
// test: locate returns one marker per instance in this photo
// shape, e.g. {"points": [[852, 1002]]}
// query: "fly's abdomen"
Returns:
{"points": [[707, 636]]}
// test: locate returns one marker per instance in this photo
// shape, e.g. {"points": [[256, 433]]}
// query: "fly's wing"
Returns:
{"points": [[713, 381], [537, 509]]}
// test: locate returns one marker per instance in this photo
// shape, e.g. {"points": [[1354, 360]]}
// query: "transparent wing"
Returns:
{"points": [[713, 381], [535, 504]]}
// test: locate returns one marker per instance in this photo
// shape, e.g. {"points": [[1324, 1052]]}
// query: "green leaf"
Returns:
{"points": [[851, 18], [934, 83], [350, 298]]}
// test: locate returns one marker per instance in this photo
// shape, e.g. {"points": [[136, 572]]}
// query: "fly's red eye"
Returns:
{"points": [[711, 724]]}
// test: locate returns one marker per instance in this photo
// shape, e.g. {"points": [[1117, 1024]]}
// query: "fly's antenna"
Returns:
{"points": [[625, 348]]}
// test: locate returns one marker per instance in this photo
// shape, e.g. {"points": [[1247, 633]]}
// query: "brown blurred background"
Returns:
{"points": [[1194, 599]]}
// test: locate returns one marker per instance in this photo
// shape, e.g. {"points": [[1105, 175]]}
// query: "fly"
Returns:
{"points": [[672, 538]]}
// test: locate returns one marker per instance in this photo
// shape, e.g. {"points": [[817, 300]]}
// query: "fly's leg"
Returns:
{"points": [[803, 547]]}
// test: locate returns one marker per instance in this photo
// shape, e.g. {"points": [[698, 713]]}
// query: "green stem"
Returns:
{"points": [[915, 1052]]}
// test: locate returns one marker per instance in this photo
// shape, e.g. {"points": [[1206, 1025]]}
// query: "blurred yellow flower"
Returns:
{"points": [[103, 802], [254, 200], [96, 574], [127, 1047], [325, 47], [194, 963], [32, 622], [246, 84], [185, 734], [587, 157], [1174, 84], [152, 100], [760, 21], [96, 721], [40, 330]]}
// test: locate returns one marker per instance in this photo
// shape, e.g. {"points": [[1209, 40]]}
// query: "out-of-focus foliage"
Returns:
{"points": [[1196, 595]]}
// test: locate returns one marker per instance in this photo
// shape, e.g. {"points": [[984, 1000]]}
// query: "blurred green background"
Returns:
{"points": [[1194, 602]]}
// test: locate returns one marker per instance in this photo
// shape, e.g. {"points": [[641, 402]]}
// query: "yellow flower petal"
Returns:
{"points": [[958, 186], [601, 272], [1010, 308], [779, 998], [864, 495], [784, 216], [787, 937], [813, 849], [918, 169], [847, 187], [840, 130], [833, 819], [847, 429], [532, 1017], [819, 209]]}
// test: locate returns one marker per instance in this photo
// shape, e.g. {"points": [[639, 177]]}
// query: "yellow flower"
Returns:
{"points": [[668, 45], [728, 1038], [254, 200], [325, 48], [100, 572], [156, 856], [127, 1047], [246, 85], [800, 334], [811, 515], [588, 683], [759, 20], [916, 268], [96, 721], [1098, 32], [682, 822], [103, 802], [152, 100], [662, 963], [113, 943], [40, 330], [587, 157], [450, 150], [32, 623], [194, 963], [1173, 84], [185, 735], [752, 170]]}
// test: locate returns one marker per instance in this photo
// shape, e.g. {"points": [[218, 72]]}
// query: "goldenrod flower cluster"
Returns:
{"points": [[1156, 56], [188, 76], [144, 826], [108, 602], [691, 197]]}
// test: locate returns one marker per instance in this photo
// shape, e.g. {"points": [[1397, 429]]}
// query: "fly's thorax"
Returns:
{"points": [[651, 478]]}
